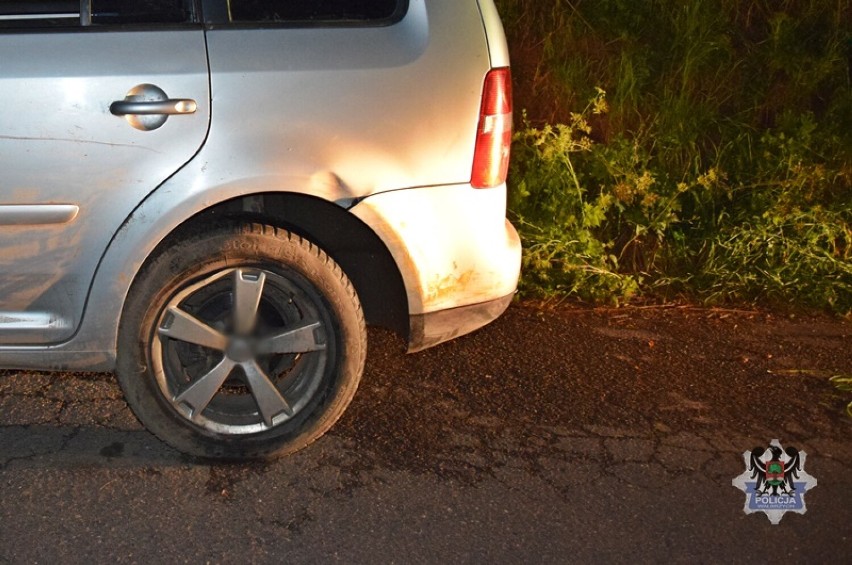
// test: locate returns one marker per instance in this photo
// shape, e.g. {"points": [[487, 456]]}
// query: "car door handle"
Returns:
{"points": [[159, 107], [146, 107]]}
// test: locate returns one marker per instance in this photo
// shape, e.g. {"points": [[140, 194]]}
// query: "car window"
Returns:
{"points": [[73, 13], [313, 10]]}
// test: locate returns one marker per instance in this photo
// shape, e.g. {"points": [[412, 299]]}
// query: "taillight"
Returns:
{"points": [[494, 135]]}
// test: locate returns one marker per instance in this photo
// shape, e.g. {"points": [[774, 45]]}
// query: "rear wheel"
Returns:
{"points": [[246, 342]]}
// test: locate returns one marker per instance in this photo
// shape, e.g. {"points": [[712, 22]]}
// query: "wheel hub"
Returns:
{"points": [[240, 350]]}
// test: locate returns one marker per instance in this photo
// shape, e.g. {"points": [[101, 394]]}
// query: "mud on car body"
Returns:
{"points": [[212, 198]]}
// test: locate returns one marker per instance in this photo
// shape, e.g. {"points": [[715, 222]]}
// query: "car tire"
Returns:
{"points": [[247, 342]]}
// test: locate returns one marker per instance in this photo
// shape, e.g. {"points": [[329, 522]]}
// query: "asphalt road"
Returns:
{"points": [[555, 436]]}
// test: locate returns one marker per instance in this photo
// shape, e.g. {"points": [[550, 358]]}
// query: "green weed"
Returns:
{"points": [[843, 383], [719, 166], [561, 221]]}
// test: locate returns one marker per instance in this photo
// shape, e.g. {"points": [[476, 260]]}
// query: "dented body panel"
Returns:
{"points": [[452, 244]]}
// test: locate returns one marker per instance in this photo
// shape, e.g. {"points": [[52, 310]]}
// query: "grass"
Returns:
{"points": [[672, 148]]}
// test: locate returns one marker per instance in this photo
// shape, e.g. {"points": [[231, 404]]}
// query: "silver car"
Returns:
{"points": [[212, 197]]}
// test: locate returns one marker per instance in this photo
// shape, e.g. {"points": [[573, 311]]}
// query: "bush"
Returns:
{"points": [[719, 166]]}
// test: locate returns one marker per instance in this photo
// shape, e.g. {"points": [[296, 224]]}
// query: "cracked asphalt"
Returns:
{"points": [[551, 436]]}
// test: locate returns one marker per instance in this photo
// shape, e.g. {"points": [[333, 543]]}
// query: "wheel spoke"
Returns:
{"points": [[201, 392], [255, 329], [182, 326], [248, 288], [297, 340], [269, 400]]}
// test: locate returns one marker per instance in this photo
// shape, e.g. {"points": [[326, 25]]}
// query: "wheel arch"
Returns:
{"points": [[348, 240], [352, 244]]}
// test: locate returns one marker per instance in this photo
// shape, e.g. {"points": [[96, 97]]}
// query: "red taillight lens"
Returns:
{"points": [[494, 135]]}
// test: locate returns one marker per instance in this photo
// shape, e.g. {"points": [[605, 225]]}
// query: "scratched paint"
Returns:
{"points": [[60, 145], [461, 259]]}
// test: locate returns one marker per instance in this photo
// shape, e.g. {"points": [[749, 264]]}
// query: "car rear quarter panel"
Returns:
{"points": [[347, 112]]}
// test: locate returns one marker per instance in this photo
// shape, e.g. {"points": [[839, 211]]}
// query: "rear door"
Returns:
{"points": [[103, 100]]}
